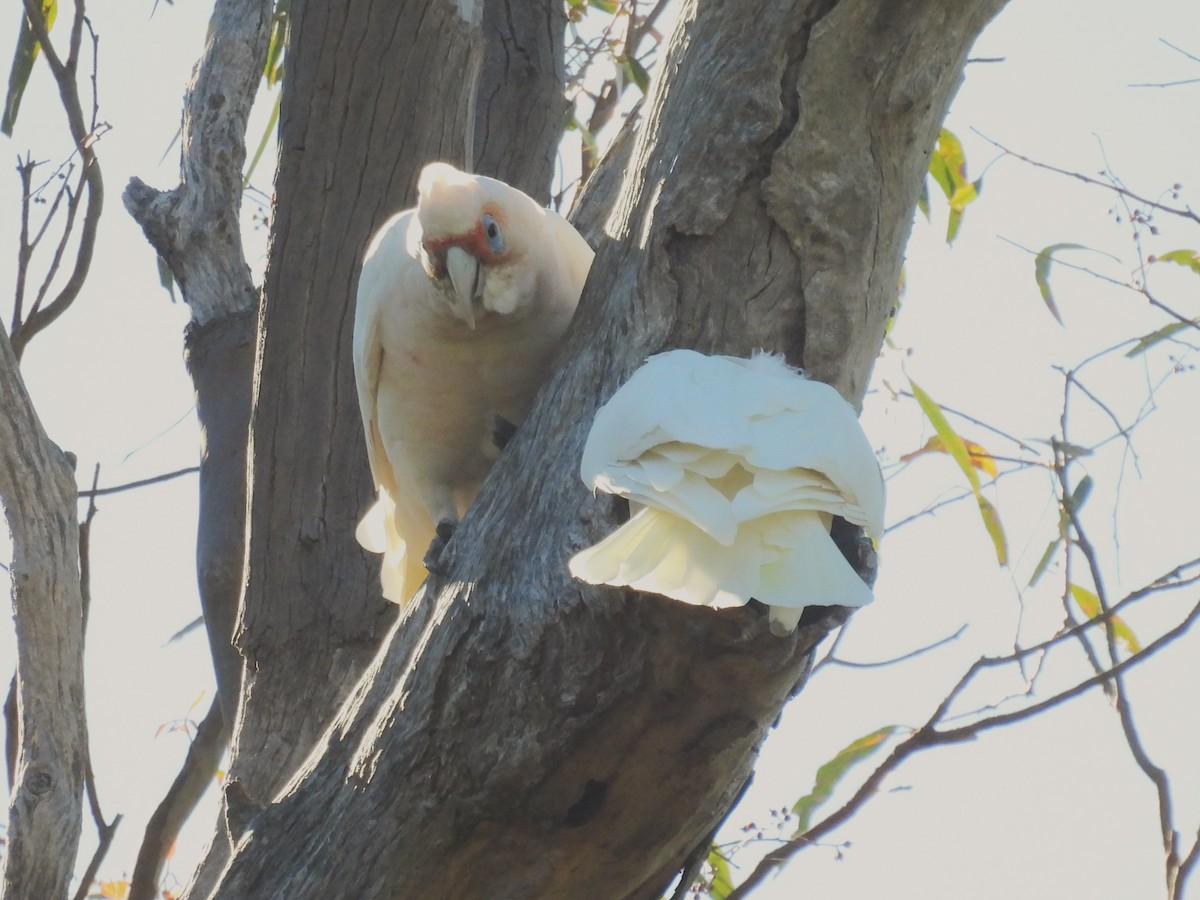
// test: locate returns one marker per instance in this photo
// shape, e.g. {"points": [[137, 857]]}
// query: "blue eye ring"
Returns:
{"points": [[492, 233]]}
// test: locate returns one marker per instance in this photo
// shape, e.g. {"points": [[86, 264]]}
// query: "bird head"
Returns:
{"points": [[471, 228]]}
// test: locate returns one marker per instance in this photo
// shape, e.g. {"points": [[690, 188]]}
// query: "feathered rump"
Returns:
{"points": [[377, 534]]}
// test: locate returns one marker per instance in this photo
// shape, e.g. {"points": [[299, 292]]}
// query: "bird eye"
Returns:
{"points": [[491, 230]]}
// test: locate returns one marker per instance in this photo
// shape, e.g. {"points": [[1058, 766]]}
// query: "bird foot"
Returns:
{"points": [[502, 431], [437, 547]]}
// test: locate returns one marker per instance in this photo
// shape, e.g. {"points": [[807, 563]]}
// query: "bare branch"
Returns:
{"points": [[141, 482], [979, 422], [107, 833], [195, 776], [912, 654], [1183, 213], [1156, 774], [929, 736], [84, 138]]}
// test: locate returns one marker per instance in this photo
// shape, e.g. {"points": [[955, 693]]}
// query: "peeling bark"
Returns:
{"points": [[520, 734]]}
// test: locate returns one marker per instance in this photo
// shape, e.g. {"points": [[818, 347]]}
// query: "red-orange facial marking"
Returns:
{"points": [[474, 242]]}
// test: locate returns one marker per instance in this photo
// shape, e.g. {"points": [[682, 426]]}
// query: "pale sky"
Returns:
{"points": [[1047, 810]]}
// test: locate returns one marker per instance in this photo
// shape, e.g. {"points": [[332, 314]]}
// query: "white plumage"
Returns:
{"points": [[462, 302], [735, 467]]}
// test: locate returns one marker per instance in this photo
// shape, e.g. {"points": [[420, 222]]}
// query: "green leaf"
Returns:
{"points": [[273, 68], [26, 52], [722, 881], [606, 6], [266, 137], [1188, 258], [1041, 273], [951, 442], [1156, 337], [953, 224], [995, 530], [831, 773], [636, 73], [957, 448], [1044, 563], [165, 277], [923, 199], [1079, 496], [1089, 604], [1066, 448]]}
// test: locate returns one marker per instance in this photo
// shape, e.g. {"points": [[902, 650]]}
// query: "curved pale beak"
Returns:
{"points": [[463, 269]]}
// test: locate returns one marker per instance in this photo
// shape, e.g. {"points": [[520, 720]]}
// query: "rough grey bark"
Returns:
{"points": [[357, 125], [37, 488], [521, 107], [520, 734]]}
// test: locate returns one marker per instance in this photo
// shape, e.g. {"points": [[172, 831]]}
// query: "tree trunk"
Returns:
{"points": [[356, 126], [37, 488], [520, 734]]}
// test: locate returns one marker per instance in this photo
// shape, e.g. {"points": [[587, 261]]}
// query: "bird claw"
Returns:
{"points": [[502, 431], [437, 547]]}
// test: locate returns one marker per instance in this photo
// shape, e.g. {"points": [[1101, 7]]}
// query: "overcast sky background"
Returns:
{"points": [[1048, 810]]}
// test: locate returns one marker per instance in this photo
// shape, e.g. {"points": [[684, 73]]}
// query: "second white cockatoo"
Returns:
{"points": [[735, 468], [462, 303]]}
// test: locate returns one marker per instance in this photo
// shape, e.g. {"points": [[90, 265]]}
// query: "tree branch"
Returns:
{"points": [[141, 482], [37, 487], [84, 136], [197, 774], [928, 736]]}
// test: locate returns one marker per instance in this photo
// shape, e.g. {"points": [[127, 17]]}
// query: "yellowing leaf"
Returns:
{"points": [[991, 521], [979, 457], [114, 890], [721, 885], [958, 449], [1089, 605], [26, 52], [1188, 258], [948, 164], [831, 773], [948, 167], [273, 68], [963, 195]]}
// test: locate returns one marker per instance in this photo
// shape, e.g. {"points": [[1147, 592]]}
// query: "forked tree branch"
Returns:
{"points": [[84, 134], [929, 735]]}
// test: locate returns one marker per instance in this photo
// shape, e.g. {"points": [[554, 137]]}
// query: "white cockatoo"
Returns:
{"points": [[462, 304], [736, 468]]}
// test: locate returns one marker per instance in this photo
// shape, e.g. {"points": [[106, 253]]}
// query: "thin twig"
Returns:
{"points": [[1183, 213], [105, 830], [912, 654], [1120, 695], [929, 736], [142, 482], [979, 422], [84, 138]]}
